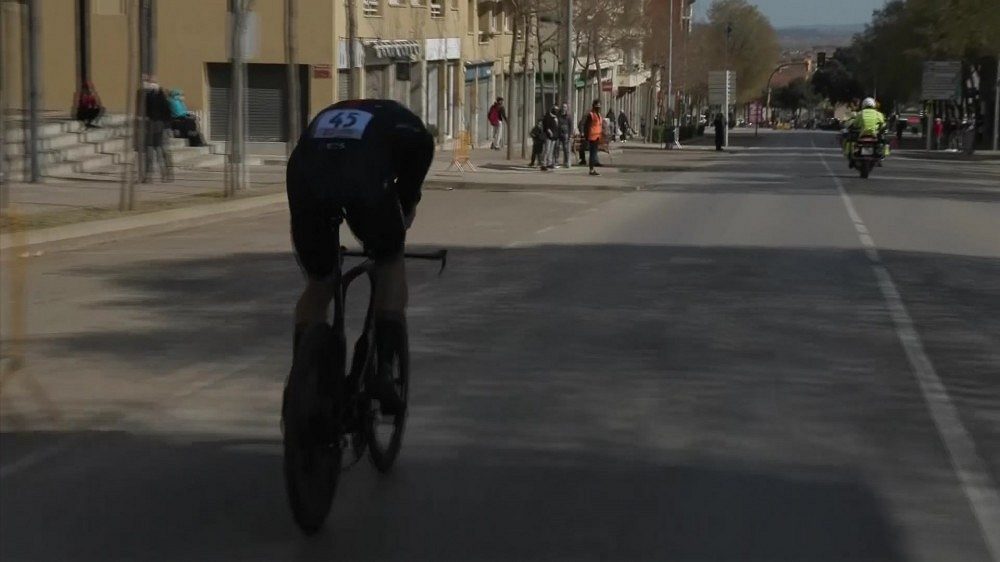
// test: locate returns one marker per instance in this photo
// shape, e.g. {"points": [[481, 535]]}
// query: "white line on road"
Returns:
{"points": [[975, 479], [544, 230]]}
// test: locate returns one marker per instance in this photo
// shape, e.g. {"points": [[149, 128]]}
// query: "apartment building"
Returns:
{"points": [[442, 58]]}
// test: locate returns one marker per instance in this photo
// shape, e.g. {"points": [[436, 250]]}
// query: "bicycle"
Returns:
{"points": [[325, 411]]}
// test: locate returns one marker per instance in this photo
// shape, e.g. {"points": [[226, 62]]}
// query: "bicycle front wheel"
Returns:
{"points": [[309, 421], [385, 432]]}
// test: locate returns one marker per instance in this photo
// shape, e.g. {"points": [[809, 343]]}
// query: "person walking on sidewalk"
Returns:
{"points": [[624, 127], [565, 134], [938, 132], [593, 128], [550, 124], [154, 120], [497, 116], [582, 126], [537, 135]]}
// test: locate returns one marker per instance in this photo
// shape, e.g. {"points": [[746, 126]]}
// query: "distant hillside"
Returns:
{"points": [[803, 37]]}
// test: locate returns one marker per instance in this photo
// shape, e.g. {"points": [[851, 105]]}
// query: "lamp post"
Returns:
{"points": [[776, 70]]}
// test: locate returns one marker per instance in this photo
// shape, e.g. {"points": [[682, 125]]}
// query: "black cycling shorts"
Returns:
{"points": [[372, 212]]}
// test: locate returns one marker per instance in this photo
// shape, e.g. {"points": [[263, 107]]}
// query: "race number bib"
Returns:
{"points": [[342, 124]]}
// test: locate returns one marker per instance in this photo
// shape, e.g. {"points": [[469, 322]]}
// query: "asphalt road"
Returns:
{"points": [[755, 356]]}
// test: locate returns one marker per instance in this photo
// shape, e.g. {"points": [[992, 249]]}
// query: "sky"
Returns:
{"points": [[786, 13]]}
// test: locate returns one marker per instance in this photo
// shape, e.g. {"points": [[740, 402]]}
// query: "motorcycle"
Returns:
{"points": [[868, 152]]}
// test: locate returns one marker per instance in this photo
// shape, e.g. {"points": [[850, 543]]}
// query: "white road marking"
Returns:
{"points": [[544, 230], [970, 468]]}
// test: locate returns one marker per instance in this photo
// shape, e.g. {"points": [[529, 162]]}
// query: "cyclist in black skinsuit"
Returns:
{"points": [[364, 160]]}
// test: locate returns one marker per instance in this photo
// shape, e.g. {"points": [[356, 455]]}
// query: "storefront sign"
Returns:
{"points": [[322, 71]]}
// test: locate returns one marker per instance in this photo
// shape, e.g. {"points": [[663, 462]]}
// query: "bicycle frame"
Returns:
{"points": [[342, 282]]}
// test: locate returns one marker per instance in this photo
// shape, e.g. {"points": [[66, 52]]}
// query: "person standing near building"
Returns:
{"points": [[497, 116], [593, 130], [550, 125], [623, 125], [938, 132], [565, 133], [537, 135], [154, 120]]}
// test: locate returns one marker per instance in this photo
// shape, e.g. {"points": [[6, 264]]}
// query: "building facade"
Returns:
{"points": [[444, 59]]}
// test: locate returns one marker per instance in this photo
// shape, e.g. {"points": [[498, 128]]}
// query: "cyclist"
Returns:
{"points": [[364, 160]]}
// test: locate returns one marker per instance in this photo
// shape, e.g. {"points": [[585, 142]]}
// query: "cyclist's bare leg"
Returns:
{"points": [[314, 304], [391, 293]]}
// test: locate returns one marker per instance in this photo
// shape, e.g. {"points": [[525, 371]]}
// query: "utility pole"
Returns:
{"points": [[33, 93], [670, 78], [352, 37], [996, 107], [4, 64], [294, 115], [568, 96]]}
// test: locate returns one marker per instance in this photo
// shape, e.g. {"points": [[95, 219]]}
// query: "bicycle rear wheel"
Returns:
{"points": [[310, 424], [385, 432]]}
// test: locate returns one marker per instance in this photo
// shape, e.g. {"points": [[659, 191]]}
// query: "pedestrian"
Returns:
{"points": [[87, 106], [183, 122], [720, 131], [593, 128], [582, 127], [623, 125], [938, 132], [611, 127], [642, 127], [550, 126], [900, 129], [153, 120], [565, 133], [497, 116], [537, 135]]}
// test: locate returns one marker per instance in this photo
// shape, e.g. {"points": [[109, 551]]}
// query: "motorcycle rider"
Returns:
{"points": [[869, 122]]}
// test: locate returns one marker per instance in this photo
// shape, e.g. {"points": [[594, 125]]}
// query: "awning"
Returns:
{"points": [[394, 48]]}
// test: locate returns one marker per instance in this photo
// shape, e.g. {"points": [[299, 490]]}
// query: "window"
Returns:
{"points": [[484, 24], [436, 9], [109, 7], [372, 8]]}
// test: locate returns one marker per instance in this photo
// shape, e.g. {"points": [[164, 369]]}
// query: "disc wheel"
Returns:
{"points": [[312, 450], [385, 432]]}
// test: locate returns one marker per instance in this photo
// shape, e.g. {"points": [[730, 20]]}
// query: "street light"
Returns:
{"points": [[776, 70]]}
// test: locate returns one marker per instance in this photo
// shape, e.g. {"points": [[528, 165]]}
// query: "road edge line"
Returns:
{"points": [[973, 476]]}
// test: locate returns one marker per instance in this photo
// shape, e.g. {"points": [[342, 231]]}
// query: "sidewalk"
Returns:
{"points": [[86, 205]]}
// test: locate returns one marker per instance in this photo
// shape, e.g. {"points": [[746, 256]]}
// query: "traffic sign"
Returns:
{"points": [[941, 80], [721, 87]]}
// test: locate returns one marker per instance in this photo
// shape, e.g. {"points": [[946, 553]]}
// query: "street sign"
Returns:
{"points": [[941, 80], [721, 87]]}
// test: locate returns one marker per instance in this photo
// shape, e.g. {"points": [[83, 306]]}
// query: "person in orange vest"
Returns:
{"points": [[592, 129]]}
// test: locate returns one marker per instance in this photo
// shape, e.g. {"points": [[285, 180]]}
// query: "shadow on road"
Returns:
{"points": [[155, 499], [570, 402]]}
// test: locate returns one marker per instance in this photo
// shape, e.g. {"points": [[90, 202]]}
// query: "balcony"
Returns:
{"points": [[372, 8], [437, 9]]}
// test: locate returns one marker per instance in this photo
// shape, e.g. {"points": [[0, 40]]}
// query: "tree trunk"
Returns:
{"points": [[510, 88], [525, 83], [541, 69]]}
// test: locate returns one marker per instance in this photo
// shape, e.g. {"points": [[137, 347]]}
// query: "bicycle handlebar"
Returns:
{"points": [[439, 255]]}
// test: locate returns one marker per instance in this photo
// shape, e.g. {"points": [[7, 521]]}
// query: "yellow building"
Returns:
{"points": [[444, 59]]}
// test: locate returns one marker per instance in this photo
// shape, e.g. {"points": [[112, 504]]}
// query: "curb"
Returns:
{"points": [[106, 230]]}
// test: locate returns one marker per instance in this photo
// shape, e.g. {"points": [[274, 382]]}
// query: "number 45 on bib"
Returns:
{"points": [[342, 124]]}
